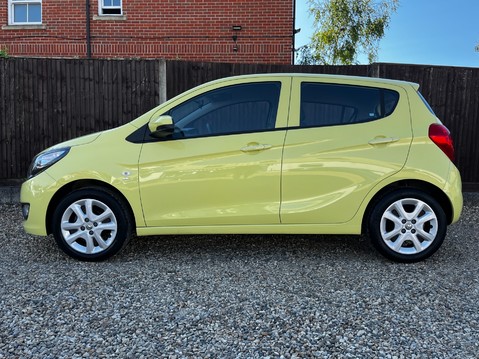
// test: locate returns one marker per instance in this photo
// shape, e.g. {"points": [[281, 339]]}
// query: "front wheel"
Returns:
{"points": [[91, 224], [407, 225]]}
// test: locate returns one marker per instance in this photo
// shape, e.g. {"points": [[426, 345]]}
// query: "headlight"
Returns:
{"points": [[44, 160]]}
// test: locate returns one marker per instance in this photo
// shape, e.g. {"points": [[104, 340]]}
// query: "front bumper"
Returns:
{"points": [[36, 193]]}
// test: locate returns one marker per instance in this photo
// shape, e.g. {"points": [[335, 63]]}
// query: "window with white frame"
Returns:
{"points": [[110, 7], [24, 12]]}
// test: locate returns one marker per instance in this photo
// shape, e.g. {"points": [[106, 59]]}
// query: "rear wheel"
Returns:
{"points": [[407, 225], [91, 224]]}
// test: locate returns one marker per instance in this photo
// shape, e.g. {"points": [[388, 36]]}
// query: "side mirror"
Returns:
{"points": [[161, 127]]}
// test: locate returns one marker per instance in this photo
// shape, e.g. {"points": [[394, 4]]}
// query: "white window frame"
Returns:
{"points": [[101, 7], [11, 17]]}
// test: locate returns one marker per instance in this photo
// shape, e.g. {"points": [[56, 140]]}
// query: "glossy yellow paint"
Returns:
{"points": [[38, 192], [213, 180], [106, 158], [315, 180], [327, 171], [210, 181]]}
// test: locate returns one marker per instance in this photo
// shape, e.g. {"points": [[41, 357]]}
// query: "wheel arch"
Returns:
{"points": [[426, 187], [80, 184]]}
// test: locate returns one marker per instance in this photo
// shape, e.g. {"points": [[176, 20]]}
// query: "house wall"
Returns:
{"points": [[171, 29]]}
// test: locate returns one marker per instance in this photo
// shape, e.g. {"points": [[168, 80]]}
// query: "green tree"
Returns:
{"points": [[3, 52], [345, 29]]}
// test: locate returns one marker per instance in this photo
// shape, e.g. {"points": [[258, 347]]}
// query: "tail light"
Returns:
{"points": [[440, 135]]}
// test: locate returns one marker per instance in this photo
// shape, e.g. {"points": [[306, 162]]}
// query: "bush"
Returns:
{"points": [[3, 53]]}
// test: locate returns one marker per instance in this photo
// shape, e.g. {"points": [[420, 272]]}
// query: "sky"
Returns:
{"points": [[430, 32]]}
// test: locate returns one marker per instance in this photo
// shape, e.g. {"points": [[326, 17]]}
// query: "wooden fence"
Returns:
{"points": [[453, 93], [45, 101], [182, 76]]}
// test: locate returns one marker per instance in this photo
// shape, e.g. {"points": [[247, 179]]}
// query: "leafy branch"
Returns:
{"points": [[346, 28]]}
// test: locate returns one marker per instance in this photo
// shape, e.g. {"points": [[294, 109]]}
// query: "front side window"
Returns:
{"points": [[24, 12], [110, 7], [332, 104], [229, 110]]}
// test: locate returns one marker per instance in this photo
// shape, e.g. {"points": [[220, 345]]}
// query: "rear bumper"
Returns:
{"points": [[453, 190]]}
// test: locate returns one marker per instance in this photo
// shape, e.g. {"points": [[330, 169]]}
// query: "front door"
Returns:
{"points": [[222, 166]]}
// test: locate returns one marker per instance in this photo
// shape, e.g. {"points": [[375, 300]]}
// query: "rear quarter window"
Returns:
{"points": [[333, 104]]}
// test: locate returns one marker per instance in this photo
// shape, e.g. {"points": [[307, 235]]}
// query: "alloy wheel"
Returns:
{"points": [[409, 226], [89, 226]]}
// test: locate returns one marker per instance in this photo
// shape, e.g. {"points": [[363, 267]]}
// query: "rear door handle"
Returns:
{"points": [[253, 147], [383, 140]]}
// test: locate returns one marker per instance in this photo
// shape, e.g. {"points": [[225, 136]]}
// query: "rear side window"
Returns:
{"points": [[331, 104]]}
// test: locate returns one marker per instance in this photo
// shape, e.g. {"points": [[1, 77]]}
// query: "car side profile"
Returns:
{"points": [[269, 153]]}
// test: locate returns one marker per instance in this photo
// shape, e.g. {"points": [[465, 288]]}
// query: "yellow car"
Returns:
{"points": [[274, 153]]}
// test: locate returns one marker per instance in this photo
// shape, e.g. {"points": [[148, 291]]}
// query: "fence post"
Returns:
{"points": [[375, 69], [162, 80]]}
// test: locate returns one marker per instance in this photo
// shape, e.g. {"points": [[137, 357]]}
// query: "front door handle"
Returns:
{"points": [[383, 140], [253, 147]]}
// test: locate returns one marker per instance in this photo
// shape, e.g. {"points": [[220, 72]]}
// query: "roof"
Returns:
{"points": [[372, 80]]}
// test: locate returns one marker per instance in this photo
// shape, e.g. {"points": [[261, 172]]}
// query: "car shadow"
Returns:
{"points": [[252, 246]]}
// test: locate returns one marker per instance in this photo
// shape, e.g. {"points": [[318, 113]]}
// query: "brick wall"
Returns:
{"points": [[172, 29]]}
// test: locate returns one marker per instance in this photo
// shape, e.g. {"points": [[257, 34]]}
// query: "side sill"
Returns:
{"points": [[254, 229]]}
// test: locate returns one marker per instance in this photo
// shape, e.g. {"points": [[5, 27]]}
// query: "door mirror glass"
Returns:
{"points": [[161, 127]]}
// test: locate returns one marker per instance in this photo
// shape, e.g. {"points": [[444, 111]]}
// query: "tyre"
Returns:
{"points": [[91, 224], [407, 225]]}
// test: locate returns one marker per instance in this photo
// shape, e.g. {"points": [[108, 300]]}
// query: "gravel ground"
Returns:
{"points": [[239, 297]]}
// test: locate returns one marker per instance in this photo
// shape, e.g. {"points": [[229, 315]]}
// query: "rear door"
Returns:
{"points": [[348, 137]]}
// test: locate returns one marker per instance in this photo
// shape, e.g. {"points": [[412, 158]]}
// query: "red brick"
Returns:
{"points": [[188, 29]]}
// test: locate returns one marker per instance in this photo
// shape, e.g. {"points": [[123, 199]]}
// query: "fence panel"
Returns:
{"points": [[46, 101], [183, 75], [453, 93]]}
